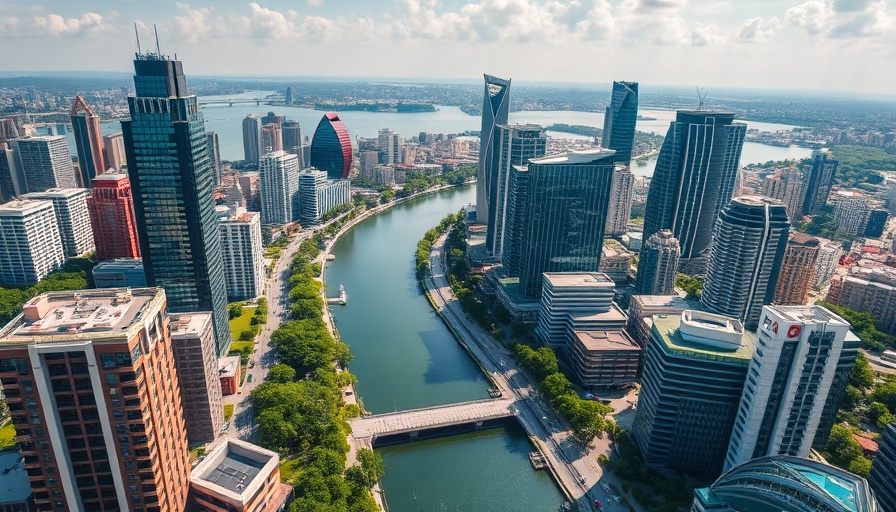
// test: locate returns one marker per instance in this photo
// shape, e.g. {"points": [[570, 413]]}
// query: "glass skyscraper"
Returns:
{"points": [[620, 119], [172, 179], [495, 109], [331, 147], [818, 177], [88, 141]]}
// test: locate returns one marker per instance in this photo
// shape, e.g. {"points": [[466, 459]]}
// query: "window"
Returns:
{"points": [[108, 361], [17, 364], [35, 419], [111, 379]]}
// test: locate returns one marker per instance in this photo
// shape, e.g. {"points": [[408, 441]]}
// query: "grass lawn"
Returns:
{"points": [[197, 452], [228, 412], [7, 437], [241, 323], [240, 345], [288, 469]]}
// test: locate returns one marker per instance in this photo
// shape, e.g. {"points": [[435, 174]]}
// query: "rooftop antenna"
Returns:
{"points": [[137, 33], [156, 30], [701, 97]]}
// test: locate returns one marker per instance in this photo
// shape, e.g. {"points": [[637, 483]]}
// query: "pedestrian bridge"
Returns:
{"points": [[367, 428]]}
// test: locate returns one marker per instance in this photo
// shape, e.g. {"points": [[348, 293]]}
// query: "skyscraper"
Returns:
{"points": [[244, 269], [495, 109], [514, 145], [620, 207], [797, 270], [331, 147], [252, 148], [563, 229], [786, 187], [72, 218], [292, 140], [215, 155], [173, 186], [45, 162], [620, 119], [113, 151], [272, 118], [883, 471], [791, 375], [851, 211], [288, 97], [696, 169], [98, 412], [818, 175], [271, 139], [88, 141], [279, 174], [389, 145], [193, 341], [112, 217], [318, 195], [30, 245], [658, 266], [745, 259]]}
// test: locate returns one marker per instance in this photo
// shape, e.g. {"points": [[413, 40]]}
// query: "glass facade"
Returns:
{"points": [[172, 179], [620, 119], [495, 109], [331, 147]]}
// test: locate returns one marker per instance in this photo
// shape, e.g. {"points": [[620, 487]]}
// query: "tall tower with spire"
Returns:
{"points": [[495, 109], [88, 141]]}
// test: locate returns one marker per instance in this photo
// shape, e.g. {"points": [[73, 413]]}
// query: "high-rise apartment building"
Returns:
{"points": [[272, 118], [215, 155], [829, 253], [877, 223], [797, 270], [658, 266], [694, 371], [292, 140], [788, 383], [571, 294], [88, 141], [495, 109], [12, 181], [113, 151], [318, 195], [565, 206], [883, 470], [72, 217], [250, 185], [279, 173], [244, 269], [695, 174], [271, 138], [30, 245], [331, 147], [619, 121], [95, 399], [173, 188], [787, 187], [818, 176], [620, 208], [112, 217], [390, 146], [745, 258], [514, 145], [45, 162], [193, 340], [851, 211], [252, 149], [868, 287]]}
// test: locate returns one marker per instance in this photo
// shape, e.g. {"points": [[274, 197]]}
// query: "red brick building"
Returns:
{"points": [[112, 217]]}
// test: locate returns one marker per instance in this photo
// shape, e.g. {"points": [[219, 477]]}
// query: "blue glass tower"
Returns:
{"points": [[495, 109], [620, 119], [172, 178]]}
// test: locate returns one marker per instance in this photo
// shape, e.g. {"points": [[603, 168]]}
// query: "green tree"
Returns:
{"points": [[841, 447], [880, 414], [886, 394], [282, 373], [860, 466], [372, 465], [861, 376], [247, 335], [234, 310], [852, 398]]}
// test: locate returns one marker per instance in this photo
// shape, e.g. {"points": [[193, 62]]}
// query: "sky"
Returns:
{"points": [[810, 45]]}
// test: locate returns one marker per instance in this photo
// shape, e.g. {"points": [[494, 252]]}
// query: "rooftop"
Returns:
{"points": [[73, 315], [189, 324], [578, 279], [807, 314], [14, 484], [573, 156], [20, 207], [58, 192], [606, 340], [228, 366], [666, 301], [236, 469], [717, 331], [119, 264], [666, 330]]}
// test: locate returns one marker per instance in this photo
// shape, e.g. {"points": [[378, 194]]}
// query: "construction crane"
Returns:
{"points": [[701, 97]]}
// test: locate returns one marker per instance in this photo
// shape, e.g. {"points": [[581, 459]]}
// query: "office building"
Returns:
{"points": [[95, 399], [831, 407], [113, 151], [603, 359], [694, 371], [797, 270], [818, 176], [642, 309], [244, 269], [390, 146], [12, 181], [694, 178], [331, 147], [318, 195], [787, 187], [271, 138], [250, 184], [72, 218], [45, 162], [112, 217], [11, 127], [851, 211], [619, 121], [514, 145], [288, 97], [215, 155], [829, 253], [88, 141], [291, 132], [15, 489], [883, 470], [620, 208], [566, 294], [272, 118], [119, 273], [615, 261], [789, 380], [193, 341], [566, 206], [279, 175], [786, 484], [240, 477], [658, 266], [868, 287], [495, 109], [369, 161], [30, 244], [877, 222], [252, 149], [745, 258], [173, 189], [384, 175]]}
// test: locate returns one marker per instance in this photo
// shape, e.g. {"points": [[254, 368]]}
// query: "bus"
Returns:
{"points": [[889, 356]]}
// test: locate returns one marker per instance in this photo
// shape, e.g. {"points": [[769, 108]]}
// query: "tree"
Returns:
{"points": [[282, 373], [886, 394], [861, 376], [852, 398], [234, 310], [372, 465], [247, 335], [879, 414], [860, 466], [841, 447]]}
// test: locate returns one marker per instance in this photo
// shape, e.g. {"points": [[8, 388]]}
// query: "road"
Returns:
{"points": [[575, 465], [879, 365]]}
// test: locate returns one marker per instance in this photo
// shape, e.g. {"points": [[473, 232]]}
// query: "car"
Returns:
{"points": [[581, 479], [249, 378]]}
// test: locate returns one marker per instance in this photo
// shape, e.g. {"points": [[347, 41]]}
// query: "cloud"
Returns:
{"points": [[195, 25], [845, 19], [812, 16], [661, 4], [314, 3], [54, 25], [851, 5], [755, 30], [266, 23]]}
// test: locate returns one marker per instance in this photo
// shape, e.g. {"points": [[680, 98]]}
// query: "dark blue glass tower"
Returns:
{"points": [[495, 109], [620, 119], [172, 179]]}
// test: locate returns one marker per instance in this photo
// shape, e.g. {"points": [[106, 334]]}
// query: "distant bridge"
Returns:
{"points": [[242, 101]]}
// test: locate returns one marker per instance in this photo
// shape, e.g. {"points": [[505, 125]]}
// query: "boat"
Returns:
{"points": [[343, 297], [331, 257]]}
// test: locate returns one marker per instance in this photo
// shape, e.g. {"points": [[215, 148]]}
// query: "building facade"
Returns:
{"points": [[252, 151], [495, 109], [271, 138], [244, 269], [214, 149], [620, 208], [88, 141], [797, 270], [291, 132], [787, 187], [72, 217], [877, 222], [30, 244], [112, 217], [619, 121], [868, 287], [279, 174], [173, 182], [818, 176], [193, 340], [96, 402], [568, 294], [45, 162], [883, 470], [318, 195], [851, 211], [119, 273], [331, 147], [745, 258], [829, 253], [604, 359], [113, 151], [658, 266]]}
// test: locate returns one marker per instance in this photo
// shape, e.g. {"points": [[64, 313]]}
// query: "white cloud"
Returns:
{"points": [[266, 23], [845, 19], [756, 30], [812, 16], [54, 25]]}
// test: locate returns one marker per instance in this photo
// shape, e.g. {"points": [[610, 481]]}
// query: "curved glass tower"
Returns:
{"points": [[620, 119], [331, 147], [495, 108]]}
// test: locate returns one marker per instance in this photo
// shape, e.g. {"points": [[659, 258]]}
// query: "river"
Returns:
{"points": [[406, 358]]}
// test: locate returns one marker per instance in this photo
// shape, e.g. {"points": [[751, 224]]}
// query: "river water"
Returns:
{"points": [[406, 358]]}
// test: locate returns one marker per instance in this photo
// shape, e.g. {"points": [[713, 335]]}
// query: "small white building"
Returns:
{"points": [[72, 217], [243, 254], [30, 245]]}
